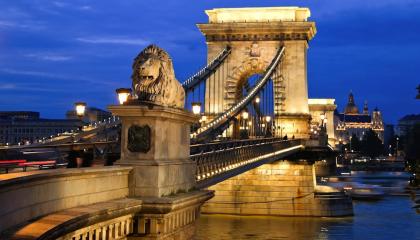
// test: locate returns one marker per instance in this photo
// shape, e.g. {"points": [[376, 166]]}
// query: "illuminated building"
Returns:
{"points": [[352, 122]]}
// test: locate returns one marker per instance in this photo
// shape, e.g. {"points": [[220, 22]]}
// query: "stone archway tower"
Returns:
{"points": [[254, 35]]}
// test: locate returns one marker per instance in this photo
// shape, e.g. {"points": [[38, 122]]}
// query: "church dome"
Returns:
{"points": [[351, 107]]}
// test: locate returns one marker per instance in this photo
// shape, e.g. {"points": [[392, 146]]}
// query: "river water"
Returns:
{"points": [[390, 218]]}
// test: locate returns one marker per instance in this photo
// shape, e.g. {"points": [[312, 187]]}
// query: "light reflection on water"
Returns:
{"points": [[235, 227], [391, 218]]}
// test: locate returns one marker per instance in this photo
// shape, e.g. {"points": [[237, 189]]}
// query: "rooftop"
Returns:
{"points": [[263, 14], [355, 118], [321, 101], [411, 117]]}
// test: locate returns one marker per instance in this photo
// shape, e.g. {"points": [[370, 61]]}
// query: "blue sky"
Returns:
{"points": [[54, 53]]}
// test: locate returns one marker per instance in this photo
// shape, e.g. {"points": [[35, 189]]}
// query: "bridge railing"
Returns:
{"points": [[216, 158]]}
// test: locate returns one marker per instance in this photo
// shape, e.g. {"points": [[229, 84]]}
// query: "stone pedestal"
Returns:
{"points": [[156, 143]]}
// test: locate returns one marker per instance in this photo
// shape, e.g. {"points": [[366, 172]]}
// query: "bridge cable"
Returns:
{"points": [[217, 124]]}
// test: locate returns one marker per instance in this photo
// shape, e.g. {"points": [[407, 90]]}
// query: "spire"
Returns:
{"points": [[351, 107], [365, 108], [377, 121], [351, 98]]}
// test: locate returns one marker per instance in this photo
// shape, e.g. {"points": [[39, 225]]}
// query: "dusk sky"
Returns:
{"points": [[54, 53]]}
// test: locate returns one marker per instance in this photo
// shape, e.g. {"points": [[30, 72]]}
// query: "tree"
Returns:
{"points": [[356, 145], [371, 144], [393, 143], [412, 148]]}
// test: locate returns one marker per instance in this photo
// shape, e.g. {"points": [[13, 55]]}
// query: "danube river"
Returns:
{"points": [[391, 218]]}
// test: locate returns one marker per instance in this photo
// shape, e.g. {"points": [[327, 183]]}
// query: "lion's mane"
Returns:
{"points": [[165, 90]]}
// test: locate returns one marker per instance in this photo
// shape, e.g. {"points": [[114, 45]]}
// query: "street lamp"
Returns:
{"points": [[80, 109], [196, 107], [245, 115], [123, 94], [257, 99], [267, 119]]}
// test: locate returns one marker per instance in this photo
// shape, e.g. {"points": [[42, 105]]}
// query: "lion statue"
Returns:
{"points": [[154, 78]]}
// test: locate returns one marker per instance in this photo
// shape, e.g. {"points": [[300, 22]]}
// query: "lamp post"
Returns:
{"points": [[281, 131], [196, 108], [123, 94], [257, 99], [245, 116], [397, 146], [80, 109], [267, 120]]}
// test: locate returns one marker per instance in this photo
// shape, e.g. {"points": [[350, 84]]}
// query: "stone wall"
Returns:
{"points": [[28, 195], [282, 188]]}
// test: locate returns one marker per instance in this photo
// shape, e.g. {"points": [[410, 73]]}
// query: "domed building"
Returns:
{"points": [[352, 122], [351, 108]]}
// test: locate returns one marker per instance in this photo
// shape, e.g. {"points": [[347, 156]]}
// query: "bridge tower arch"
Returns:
{"points": [[255, 35]]}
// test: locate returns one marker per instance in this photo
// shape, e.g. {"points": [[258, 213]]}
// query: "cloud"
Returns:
{"points": [[85, 8], [7, 23], [49, 57], [58, 76], [114, 40], [36, 74], [59, 4], [7, 86], [23, 25]]}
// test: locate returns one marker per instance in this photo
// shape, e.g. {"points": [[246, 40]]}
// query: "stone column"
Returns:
{"points": [[294, 118], [156, 143]]}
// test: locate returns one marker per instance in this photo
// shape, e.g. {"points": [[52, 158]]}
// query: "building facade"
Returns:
{"points": [[24, 126], [406, 123], [322, 112], [351, 122], [92, 114]]}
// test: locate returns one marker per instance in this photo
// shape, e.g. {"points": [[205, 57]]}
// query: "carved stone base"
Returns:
{"points": [[160, 179], [171, 217], [155, 141]]}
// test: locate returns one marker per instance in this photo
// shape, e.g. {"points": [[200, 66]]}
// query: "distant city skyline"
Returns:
{"points": [[54, 53]]}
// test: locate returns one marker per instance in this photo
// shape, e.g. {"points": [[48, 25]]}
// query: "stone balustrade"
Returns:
{"points": [[29, 195], [118, 228]]}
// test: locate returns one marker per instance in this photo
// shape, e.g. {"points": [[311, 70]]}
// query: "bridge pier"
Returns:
{"points": [[155, 142], [283, 188]]}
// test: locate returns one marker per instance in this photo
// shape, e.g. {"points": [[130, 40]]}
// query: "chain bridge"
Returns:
{"points": [[237, 153]]}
